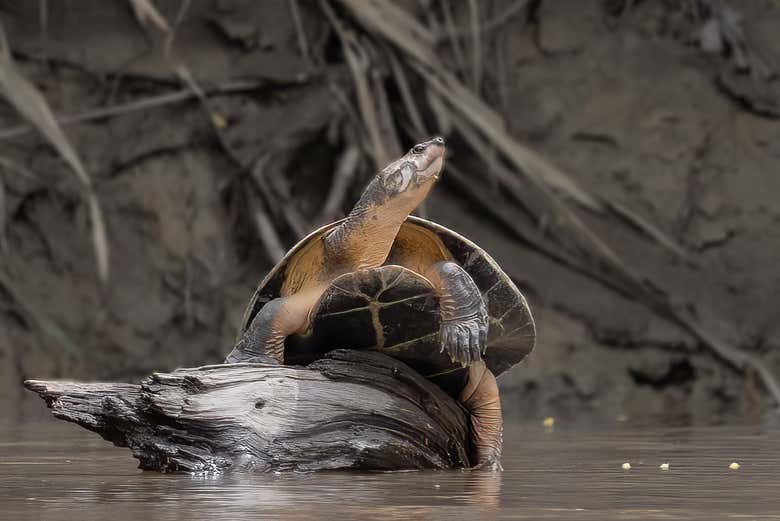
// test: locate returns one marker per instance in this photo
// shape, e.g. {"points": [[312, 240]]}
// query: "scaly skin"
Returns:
{"points": [[363, 241], [481, 399]]}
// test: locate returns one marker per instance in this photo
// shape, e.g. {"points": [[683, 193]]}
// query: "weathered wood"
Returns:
{"points": [[350, 409]]}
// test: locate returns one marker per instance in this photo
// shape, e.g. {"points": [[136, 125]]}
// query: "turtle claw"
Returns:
{"points": [[464, 339]]}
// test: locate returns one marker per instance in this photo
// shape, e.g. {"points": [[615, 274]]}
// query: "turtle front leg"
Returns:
{"points": [[265, 336], [464, 318], [480, 397]]}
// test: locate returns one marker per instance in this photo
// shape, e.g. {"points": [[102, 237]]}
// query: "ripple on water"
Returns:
{"points": [[53, 470]]}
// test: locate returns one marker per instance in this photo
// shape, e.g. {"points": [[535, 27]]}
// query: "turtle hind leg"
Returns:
{"points": [[480, 397], [464, 317], [265, 336]]}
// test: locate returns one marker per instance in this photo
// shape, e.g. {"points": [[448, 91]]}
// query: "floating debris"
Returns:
{"points": [[664, 466], [549, 422], [734, 465], [626, 466]]}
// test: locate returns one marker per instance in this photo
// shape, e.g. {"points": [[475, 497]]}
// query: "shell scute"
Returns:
{"points": [[393, 308]]}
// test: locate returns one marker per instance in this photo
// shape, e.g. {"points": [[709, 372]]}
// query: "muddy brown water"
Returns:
{"points": [[51, 470]]}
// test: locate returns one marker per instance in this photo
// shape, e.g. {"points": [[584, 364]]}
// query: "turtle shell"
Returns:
{"points": [[394, 309]]}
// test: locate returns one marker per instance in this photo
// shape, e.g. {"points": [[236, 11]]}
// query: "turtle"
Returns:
{"points": [[382, 279]]}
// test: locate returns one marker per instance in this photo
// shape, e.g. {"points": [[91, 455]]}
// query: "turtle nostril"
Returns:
{"points": [[438, 140]]}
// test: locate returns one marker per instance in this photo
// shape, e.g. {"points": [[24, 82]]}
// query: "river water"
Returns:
{"points": [[52, 470]]}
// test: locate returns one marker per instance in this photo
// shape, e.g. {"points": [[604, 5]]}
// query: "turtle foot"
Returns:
{"points": [[464, 340], [491, 465]]}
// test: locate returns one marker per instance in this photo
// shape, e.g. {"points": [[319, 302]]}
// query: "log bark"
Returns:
{"points": [[351, 409]]}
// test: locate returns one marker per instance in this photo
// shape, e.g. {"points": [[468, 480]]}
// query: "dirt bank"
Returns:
{"points": [[625, 101]]}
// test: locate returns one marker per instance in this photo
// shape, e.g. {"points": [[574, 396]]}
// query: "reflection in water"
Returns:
{"points": [[57, 471]]}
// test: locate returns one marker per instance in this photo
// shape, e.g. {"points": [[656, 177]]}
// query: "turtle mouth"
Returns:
{"points": [[432, 171]]}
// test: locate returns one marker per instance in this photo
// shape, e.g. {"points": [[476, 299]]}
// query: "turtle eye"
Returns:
{"points": [[418, 149]]}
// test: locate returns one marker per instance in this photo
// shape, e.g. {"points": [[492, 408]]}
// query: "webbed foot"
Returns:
{"points": [[490, 465], [465, 340], [464, 317]]}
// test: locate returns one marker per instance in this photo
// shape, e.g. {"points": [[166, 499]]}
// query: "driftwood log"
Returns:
{"points": [[351, 409]]}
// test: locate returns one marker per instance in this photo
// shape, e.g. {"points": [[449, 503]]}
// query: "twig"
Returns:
{"points": [[449, 24], [527, 236], [342, 179], [28, 101], [648, 228], [502, 70], [300, 33], [384, 117], [737, 359], [15, 167], [399, 15], [133, 106], [43, 21], [496, 172], [266, 230], [500, 19], [482, 116], [3, 211], [408, 100], [292, 217], [476, 46], [37, 319], [692, 185], [265, 226], [145, 12], [528, 161], [358, 64], [119, 168], [184, 6]]}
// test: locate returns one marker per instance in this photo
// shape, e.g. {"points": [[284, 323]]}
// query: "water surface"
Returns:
{"points": [[52, 470]]}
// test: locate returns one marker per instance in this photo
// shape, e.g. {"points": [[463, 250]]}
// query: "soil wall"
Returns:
{"points": [[624, 98]]}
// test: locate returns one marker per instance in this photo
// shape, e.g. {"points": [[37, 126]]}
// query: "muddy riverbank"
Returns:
{"points": [[626, 101]]}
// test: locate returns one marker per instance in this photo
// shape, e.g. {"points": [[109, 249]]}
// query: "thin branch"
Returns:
{"points": [[449, 24], [278, 205], [3, 222], [358, 62], [497, 21], [267, 232], [649, 229], [31, 104], [37, 319], [43, 21], [415, 116], [476, 46], [342, 179], [133, 106], [303, 44]]}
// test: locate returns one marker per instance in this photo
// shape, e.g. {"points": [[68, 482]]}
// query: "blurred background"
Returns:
{"points": [[617, 157]]}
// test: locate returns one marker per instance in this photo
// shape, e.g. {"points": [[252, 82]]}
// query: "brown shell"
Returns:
{"points": [[511, 334]]}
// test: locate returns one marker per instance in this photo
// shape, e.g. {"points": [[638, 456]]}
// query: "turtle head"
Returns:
{"points": [[394, 193], [407, 180], [403, 184]]}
